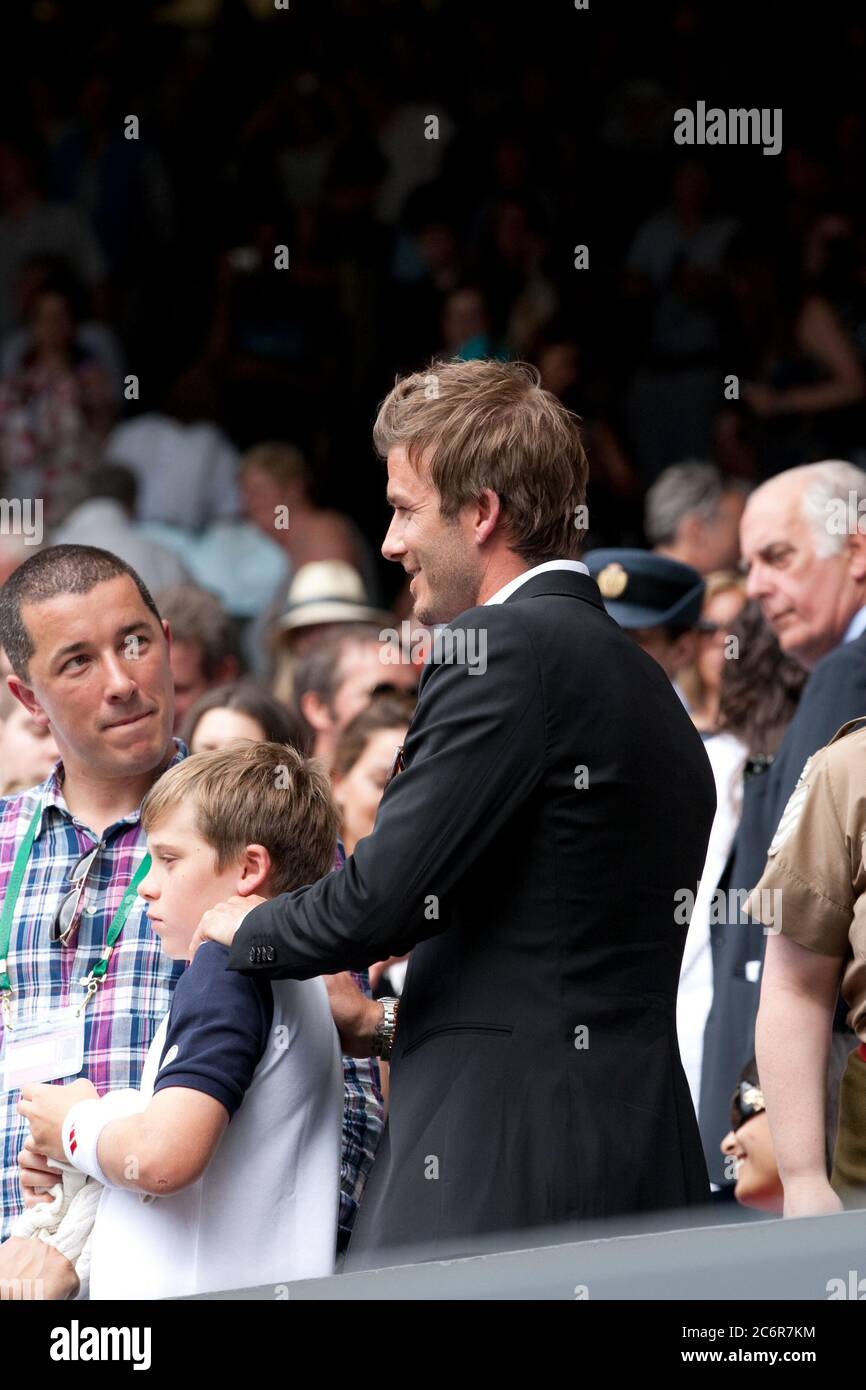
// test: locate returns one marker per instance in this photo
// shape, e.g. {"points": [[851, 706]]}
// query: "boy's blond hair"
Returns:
{"points": [[255, 794]]}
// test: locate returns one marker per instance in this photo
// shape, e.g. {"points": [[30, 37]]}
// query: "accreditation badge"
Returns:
{"points": [[45, 1049]]}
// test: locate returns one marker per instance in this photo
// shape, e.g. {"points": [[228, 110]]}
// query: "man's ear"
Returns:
{"points": [[25, 696], [691, 529], [684, 650], [856, 549], [316, 712], [254, 870], [488, 510], [167, 630]]}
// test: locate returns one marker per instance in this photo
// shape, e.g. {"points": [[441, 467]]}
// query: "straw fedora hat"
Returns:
{"points": [[328, 591]]}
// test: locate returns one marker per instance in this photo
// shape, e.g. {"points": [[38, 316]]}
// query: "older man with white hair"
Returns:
{"points": [[803, 540]]}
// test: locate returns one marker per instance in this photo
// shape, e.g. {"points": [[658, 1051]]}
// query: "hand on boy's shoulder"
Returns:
{"points": [[220, 923]]}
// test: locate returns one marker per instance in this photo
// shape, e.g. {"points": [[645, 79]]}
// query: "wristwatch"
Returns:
{"points": [[383, 1037]]}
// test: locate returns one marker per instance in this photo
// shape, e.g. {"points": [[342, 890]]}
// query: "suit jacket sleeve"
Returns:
{"points": [[474, 752]]}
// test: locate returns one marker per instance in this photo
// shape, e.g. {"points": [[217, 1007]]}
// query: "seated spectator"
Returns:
{"points": [[658, 601], [363, 760], [673, 281], [692, 514], [240, 710], [203, 649], [257, 1200], [55, 409], [701, 682], [276, 483], [512, 256], [748, 1148], [185, 465], [334, 682], [96, 341], [31, 225], [613, 495], [323, 597], [232, 559], [363, 763], [106, 518], [466, 326], [801, 377], [27, 751], [759, 691]]}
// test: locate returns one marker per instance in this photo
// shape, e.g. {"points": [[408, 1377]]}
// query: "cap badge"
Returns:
{"points": [[612, 580]]}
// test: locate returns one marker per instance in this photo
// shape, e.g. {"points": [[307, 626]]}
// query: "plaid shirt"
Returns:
{"points": [[135, 995], [130, 1004], [363, 1118]]}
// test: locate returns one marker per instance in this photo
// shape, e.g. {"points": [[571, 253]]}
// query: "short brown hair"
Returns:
{"points": [[59, 569], [490, 424], [256, 794], [319, 669], [284, 463], [198, 617]]}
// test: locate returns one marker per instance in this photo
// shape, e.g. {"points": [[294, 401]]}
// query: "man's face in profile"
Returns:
{"points": [[438, 553], [806, 598]]}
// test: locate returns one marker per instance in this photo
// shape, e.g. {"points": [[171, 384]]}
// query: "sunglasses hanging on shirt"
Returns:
{"points": [[67, 915]]}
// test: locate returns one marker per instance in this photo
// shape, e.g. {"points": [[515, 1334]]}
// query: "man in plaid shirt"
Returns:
{"points": [[90, 657]]}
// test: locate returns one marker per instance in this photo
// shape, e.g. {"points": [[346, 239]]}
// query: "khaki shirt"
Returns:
{"points": [[816, 860]]}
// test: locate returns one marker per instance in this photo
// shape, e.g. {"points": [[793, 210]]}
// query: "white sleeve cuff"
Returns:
{"points": [[85, 1122]]}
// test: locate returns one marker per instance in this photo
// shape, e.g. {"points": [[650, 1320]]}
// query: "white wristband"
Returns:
{"points": [[85, 1122]]}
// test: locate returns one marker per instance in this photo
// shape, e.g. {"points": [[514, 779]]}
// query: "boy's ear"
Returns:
{"points": [[25, 696], [255, 868]]}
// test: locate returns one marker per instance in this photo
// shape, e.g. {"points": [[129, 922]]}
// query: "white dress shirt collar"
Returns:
{"points": [[856, 626], [508, 589]]}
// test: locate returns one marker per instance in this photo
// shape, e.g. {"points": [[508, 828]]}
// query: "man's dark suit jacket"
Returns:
{"points": [[536, 1075], [834, 693]]}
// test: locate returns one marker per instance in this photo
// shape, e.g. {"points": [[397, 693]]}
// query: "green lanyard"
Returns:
{"points": [[95, 976]]}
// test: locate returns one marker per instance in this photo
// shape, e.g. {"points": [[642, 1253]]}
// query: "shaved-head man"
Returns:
{"points": [[803, 542]]}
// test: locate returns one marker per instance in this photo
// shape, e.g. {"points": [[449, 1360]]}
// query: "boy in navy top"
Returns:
{"points": [[223, 1169]]}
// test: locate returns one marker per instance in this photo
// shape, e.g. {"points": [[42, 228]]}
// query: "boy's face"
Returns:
{"points": [[183, 881]]}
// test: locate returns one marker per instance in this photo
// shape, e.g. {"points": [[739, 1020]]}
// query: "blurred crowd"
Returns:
{"points": [[173, 396], [425, 187]]}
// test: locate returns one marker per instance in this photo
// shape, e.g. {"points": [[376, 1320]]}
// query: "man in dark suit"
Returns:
{"points": [[806, 559], [553, 799]]}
